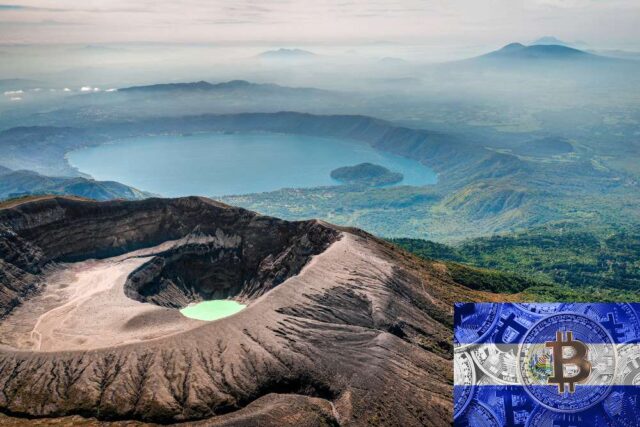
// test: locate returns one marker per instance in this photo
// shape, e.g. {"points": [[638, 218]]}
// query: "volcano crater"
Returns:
{"points": [[90, 322], [134, 296]]}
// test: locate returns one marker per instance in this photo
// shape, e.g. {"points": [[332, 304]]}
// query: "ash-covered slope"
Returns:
{"points": [[340, 328]]}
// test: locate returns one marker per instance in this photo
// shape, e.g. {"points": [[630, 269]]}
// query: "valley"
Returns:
{"points": [[479, 191]]}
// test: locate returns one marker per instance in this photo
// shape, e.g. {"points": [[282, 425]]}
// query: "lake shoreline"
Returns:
{"points": [[224, 164]]}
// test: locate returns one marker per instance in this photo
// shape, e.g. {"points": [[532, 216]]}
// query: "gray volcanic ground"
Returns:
{"points": [[340, 328], [83, 305]]}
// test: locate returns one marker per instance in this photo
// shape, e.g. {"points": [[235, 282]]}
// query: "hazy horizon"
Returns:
{"points": [[458, 24]]}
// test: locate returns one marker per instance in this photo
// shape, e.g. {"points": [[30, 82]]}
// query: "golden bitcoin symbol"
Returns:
{"points": [[577, 359]]}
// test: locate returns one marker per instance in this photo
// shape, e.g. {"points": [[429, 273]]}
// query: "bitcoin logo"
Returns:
{"points": [[578, 359], [548, 362]]}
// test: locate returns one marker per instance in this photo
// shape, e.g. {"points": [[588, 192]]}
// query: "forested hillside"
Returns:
{"points": [[600, 263]]}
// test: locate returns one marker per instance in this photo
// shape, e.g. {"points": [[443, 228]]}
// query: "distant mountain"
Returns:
{"points": [[550, 40], [519, 51], [99, 48], [4, 170], [23, 182], [232, 86], [565, 63], [390, 60], [287, 54], [191, 86]]}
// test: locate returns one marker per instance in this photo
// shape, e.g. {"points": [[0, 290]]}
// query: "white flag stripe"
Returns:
{"points": [[498, 365]]}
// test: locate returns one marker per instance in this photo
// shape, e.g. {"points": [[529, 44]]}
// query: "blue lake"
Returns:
{"points": [[216, 164]]}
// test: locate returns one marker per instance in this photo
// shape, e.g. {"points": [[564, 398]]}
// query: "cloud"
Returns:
{"points": [[224, 21], [564, 4], [593, 4], [114, 21]]}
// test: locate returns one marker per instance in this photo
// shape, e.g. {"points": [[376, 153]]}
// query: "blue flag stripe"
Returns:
{"points": [[508, 323], [512, 406]]}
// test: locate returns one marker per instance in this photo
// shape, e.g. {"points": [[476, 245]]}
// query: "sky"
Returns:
{"points": [[599, 23]]}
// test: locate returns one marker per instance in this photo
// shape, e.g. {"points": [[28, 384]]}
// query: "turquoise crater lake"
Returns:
{"points": [[212, 310], [216, 164]]}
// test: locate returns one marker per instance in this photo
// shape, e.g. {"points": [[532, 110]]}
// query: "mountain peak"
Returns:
{"points": [[234, 84], [190, 86], [549, 40], [518, 51], [284, 53], [513, 46]]}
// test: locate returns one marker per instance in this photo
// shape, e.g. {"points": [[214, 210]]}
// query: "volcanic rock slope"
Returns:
{"points": [[340, 328]]}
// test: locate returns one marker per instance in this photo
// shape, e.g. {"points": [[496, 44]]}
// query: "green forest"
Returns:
{"points": [[555, 262]]}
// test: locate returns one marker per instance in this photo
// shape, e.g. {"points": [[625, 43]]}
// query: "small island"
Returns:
{"points": [[366, 174]]}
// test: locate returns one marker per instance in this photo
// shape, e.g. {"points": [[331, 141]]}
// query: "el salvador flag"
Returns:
{"points": [[547, 364]]}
